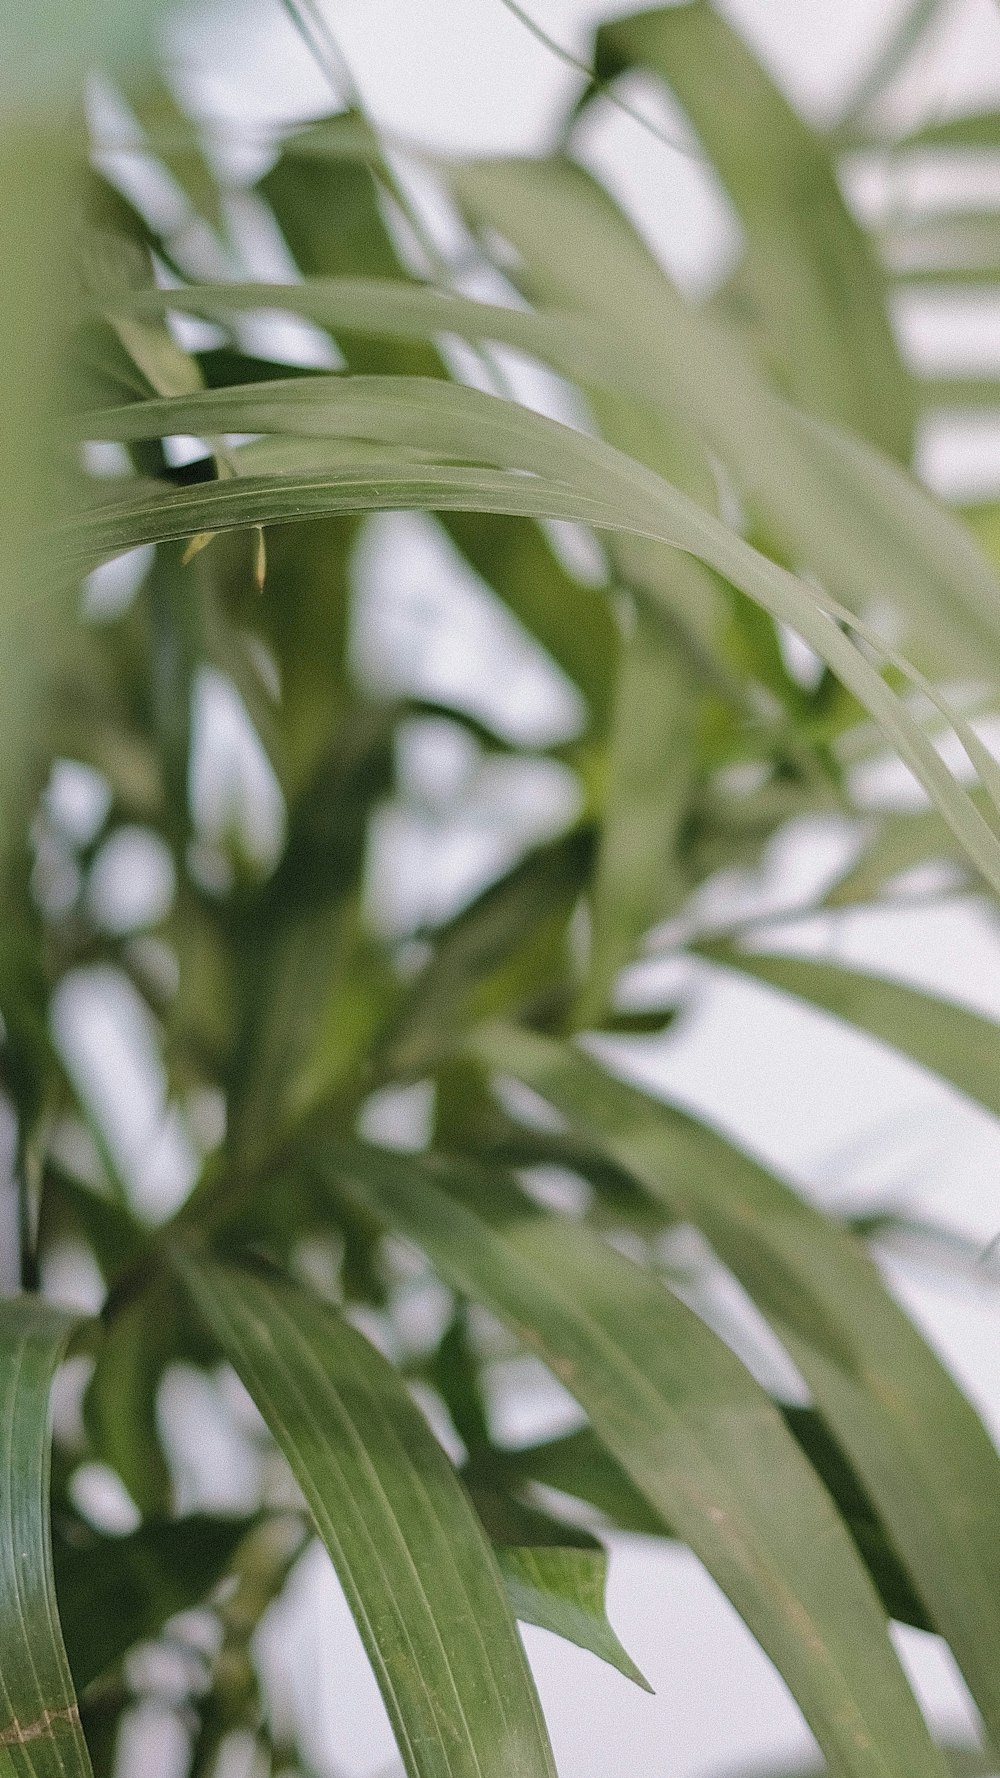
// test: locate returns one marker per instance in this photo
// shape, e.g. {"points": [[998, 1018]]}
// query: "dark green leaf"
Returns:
{"points": [[417, 1570], [40, 1734], [695, 1433], [116, 1591], [916, 1444]]}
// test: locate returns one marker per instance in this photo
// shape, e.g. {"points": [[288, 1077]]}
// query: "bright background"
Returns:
{"points": [[834, 1110]]}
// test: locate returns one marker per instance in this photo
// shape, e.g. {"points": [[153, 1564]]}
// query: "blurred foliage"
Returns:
{"points": [[393, 1149]]}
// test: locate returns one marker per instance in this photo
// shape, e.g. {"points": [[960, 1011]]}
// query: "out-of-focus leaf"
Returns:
{"points": [[696, 1434], [902, 840], [579, 1465], [116, 1591], [563, 1590], [917, 1445], [329, 208], [960, 1762], [527, 909], [120, 1404], [115, 257], [636, 880], [417, 1570], [959, 1045], [40, 1734], [173, 140], [905, 33], [807, 271], [826, 499], [572, 621]]}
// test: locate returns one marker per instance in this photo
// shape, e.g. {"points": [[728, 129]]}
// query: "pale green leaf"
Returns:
{"points": [[570, 475], [952, 1041], [807, 274]]}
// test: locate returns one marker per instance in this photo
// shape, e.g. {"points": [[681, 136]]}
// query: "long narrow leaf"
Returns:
{"points": [[917, 1445], [695, 1433], [414, 1563], [952, 1041], [570, 475], [851, 514], [40, 1733]]}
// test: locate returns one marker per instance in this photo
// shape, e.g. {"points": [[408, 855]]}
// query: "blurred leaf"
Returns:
{"points": [[418, 1573], [636, 879], [807, 271], [120, 1404], [690, 1427], [40, 1730], [117, 1591], [526, 911], [329, 208], [953, 1042], [173, 140], [827, 499]]}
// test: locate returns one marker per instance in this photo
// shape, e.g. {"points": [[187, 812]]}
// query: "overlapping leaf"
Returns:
{"points": [[917, 1445], [693, 1431], [418, 1573]]}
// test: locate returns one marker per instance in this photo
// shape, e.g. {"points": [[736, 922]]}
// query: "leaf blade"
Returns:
{"points": [[690, 1427], [915, 1441], [40, 1733], [416, 1568]]}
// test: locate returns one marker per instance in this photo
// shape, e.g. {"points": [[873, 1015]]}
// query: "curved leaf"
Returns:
{"points": [[692, 1429], [916, 1444], [40, 1733], [417, 1570], [562, 1589], [863, 525], [807, 271], [570, 475], [960, 1045]]}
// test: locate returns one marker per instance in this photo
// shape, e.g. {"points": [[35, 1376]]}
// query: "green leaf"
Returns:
{"points": [[826, 500], [570, 475], [116, 1591], [570, 620], [916, 1444], [40, 1734], [692, 1429], [416, 1567], [577, 1465], [807, 274], [959, 1045], [562, 1590], [505, 947], [637, 879], [120, 1403], [832, 502]]}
